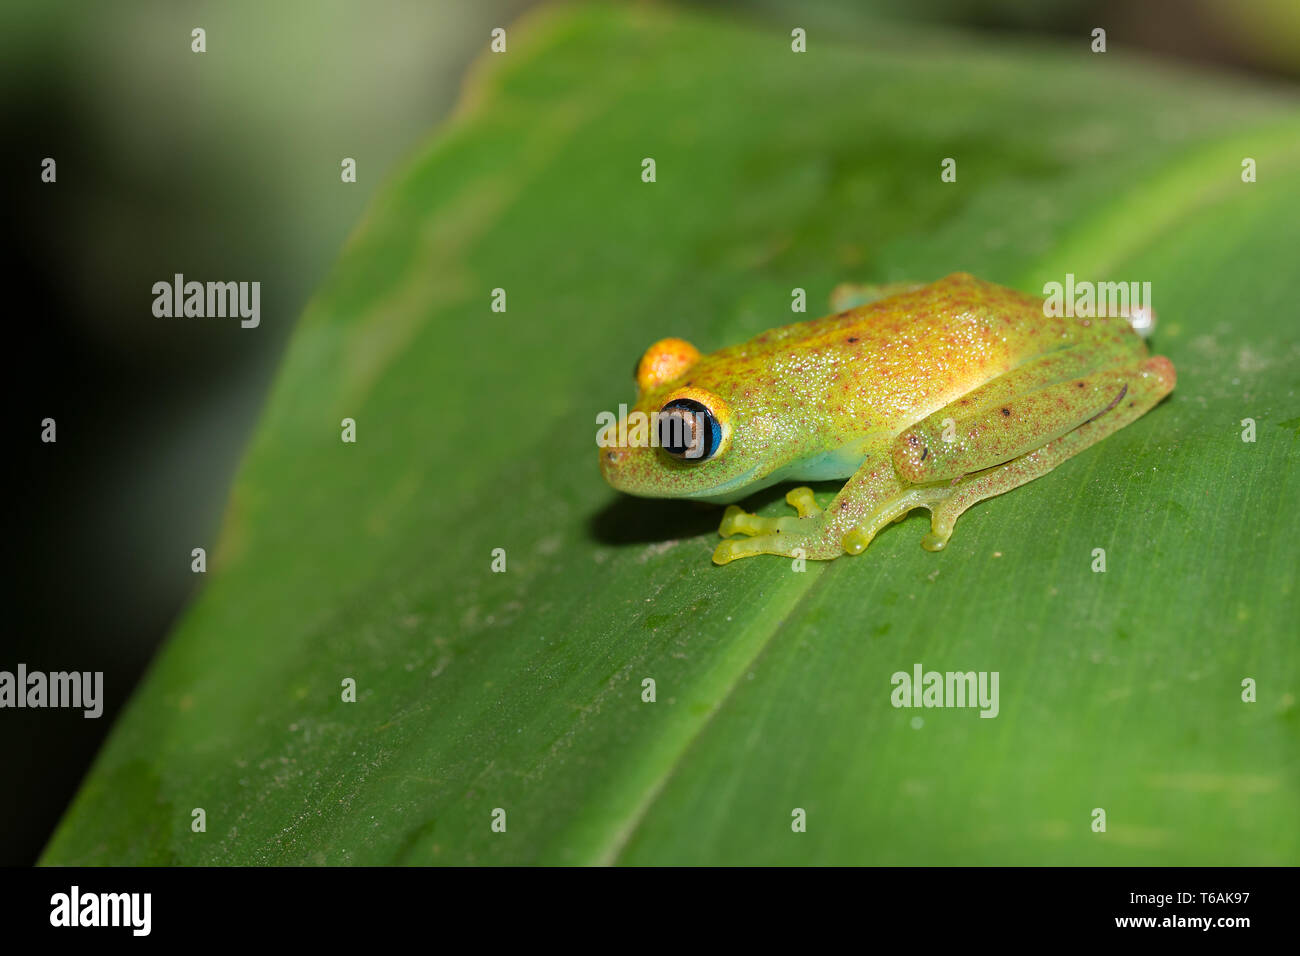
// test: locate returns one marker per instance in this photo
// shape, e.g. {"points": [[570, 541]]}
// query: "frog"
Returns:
{"points": [[916, 395]]}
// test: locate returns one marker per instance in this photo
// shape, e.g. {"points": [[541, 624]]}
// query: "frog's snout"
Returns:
{"points": [[626, 469], [611, 464]]}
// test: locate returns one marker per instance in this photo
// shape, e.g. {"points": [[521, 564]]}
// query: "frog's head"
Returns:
{"points": [[682, 438]]}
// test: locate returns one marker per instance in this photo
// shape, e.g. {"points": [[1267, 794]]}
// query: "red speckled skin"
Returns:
{"points": [[834, 396]]}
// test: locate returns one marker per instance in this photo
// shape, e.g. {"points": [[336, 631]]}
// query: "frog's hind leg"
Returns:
{"points": [[1008, 416], [1140, 392]]}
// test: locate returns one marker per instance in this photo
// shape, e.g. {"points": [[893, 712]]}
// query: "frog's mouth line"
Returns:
{"points": [[737, 487], [837, 465]]}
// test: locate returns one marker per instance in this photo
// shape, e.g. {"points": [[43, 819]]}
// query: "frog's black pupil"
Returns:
{"points": [[688, 430]]}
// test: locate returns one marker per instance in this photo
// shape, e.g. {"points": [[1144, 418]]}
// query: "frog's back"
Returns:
{"points": [[959, 303], [887, 364], [910, 351], [952, 304]]}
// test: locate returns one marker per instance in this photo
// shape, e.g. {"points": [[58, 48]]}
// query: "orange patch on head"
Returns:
{"points": [[664, 361]]}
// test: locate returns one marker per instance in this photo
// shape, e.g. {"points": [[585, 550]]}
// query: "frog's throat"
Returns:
{"points": [[735, 489], [840, 463]]}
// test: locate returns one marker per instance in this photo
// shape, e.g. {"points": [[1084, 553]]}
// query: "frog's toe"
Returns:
{"points": [[935, 542], [736, 520], [730, 550], [856, 541], [802, 500], [788, 545], [943, 517]]}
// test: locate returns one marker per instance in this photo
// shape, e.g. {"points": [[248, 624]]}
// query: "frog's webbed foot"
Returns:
{"points": [[822, 535], [787, 535], [736, 520], [895, 509]]}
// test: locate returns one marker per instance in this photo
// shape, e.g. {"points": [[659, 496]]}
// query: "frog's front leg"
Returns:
{"points": [[871, 498], [790, 535]]}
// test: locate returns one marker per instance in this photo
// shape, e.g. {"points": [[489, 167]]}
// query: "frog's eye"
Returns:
{"points": [[688, 430], [664, 361]]}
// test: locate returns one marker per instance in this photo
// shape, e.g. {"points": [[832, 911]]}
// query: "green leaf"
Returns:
{"points": [[522, 690]]}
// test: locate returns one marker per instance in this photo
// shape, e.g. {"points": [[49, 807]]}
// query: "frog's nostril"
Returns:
{"points": [[613, 465]]}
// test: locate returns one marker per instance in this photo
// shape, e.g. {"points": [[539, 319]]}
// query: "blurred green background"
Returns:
{"points": [[226, 166]]}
